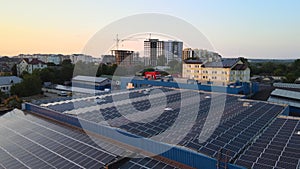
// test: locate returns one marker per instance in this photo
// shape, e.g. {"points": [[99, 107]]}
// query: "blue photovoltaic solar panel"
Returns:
{"points": [[238, 128], [146, 163], [278, 146], [239, 124], [32, 142]]}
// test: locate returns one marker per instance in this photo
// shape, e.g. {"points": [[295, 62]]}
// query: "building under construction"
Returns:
{"points": [[123, 56]]}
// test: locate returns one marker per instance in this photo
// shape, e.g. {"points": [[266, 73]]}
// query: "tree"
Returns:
{"points": [[2, 96], [290, 78], [66, 72], [161, 60], [31, 85], [47, 75], [175, 66], [172, 64], [51, 64], [24, 73]]}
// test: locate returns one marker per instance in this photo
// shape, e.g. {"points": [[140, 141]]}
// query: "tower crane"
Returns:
{"points": [[131, 38]]}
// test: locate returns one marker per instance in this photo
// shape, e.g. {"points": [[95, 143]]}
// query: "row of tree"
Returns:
{"points": [[291, 71]]}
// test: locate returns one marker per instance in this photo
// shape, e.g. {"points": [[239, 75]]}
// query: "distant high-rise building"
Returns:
{"points": [[153, 48], [173, 50], [188, 53], [200, 54], [169, 50]]}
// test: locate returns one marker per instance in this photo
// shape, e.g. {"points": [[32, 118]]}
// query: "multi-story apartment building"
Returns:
{"points": [[173, 50], [124, 57], [81, 57], [30, 65], [220, 73], [170, 50]]}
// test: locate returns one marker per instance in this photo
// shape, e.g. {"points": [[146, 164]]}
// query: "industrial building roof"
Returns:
{"points": [[89, 79], [287, 85], [242, 121], [281, 96], [284, 101], [286, 93], [7, 80], [277, 147], [34, 142]]}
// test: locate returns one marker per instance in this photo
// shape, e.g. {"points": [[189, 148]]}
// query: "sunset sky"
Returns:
{"points": [[254, 29]]}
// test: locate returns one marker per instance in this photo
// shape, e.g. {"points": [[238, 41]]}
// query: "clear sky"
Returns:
{"points": [[251, 28]]}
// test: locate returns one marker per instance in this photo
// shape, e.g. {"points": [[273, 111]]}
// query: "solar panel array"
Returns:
{"points": [[68, 103], [277, 147], [31, 142], [241, 123], [238, 127], [146, 163], [233, 135]]}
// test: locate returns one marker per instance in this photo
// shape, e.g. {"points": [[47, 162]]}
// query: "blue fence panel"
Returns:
{"points": [[243, 89]]}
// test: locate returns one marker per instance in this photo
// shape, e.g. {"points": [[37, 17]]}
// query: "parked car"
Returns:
{"points": [[63, 93]]}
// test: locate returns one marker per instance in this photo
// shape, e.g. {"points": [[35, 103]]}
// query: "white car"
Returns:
{"points": [[98, 100], [63, 93]]}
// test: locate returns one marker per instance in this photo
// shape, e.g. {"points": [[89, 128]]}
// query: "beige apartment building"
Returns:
{"points": [[219, 73]]}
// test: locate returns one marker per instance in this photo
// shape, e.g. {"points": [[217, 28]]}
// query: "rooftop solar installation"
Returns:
{"points": [[277, 147], [28, 141], [146, 163], [239, 124]]}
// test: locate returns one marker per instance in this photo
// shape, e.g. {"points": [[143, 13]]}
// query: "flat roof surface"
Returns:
{"points": [[35, 142], [89, 79], [287, 85], [286, 93], [277, 147], [240, 123]]}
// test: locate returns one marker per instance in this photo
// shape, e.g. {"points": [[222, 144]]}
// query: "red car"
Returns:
{"points": [[152, 75]]}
